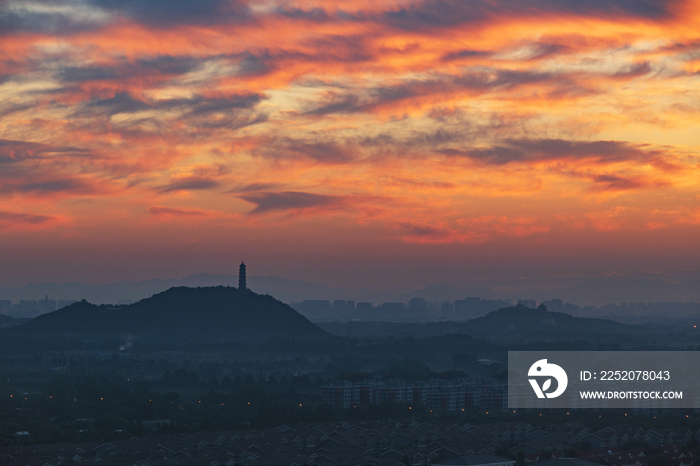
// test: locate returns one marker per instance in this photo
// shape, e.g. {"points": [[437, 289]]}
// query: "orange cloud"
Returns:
{"points": [[19, 221], [178, 212], [412, 232]]}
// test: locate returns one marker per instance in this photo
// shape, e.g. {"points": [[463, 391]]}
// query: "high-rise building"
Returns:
{"points": [[47, 305], [529, 303], [241, 277], [339, 306]]}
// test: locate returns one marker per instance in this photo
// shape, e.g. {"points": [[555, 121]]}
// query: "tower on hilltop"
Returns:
{"points": [[241, 277]]}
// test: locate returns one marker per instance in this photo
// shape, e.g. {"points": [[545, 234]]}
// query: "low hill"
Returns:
{"points": [[518, 325], [543, 324], [208, 314]]}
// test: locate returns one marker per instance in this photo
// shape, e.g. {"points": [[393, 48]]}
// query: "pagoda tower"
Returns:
{"points": [[241, 277]]}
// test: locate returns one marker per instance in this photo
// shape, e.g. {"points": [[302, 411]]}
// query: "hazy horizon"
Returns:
{"points": [[592, 289]]}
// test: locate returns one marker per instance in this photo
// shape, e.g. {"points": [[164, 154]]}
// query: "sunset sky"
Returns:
{"points": [[349, 142]]}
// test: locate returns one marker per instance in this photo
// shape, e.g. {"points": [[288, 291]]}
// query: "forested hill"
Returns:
{"points": [[179, 314]]}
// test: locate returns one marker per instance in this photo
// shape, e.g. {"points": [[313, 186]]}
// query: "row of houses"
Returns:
{"points": [[371, 443], [536, 440]]}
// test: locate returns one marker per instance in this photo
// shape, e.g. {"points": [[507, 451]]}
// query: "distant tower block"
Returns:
{"points": [[241, 277]]}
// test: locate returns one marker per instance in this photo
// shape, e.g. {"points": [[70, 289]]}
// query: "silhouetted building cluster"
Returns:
{"points": [[442, 395], [29, 308], [531, 303], [643, 312], [473, 307], [418, 309]]}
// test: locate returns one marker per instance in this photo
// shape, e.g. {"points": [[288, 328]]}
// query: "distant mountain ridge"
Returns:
{"points": [[214, 314], [512, 325]]}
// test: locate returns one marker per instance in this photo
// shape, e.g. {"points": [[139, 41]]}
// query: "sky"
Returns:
{"points": [[359, 143]]}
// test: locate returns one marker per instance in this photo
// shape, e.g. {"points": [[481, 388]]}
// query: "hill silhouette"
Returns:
{"points": [[541, 325], [539, 319], [215, 314], [6, 320], [517, 324]]}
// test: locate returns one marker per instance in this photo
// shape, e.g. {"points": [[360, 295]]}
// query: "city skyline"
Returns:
{"points": [[606, 297], [393, 144]]}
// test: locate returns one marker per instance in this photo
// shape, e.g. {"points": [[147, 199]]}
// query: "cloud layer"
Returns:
{"points": [[427, 123]]}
